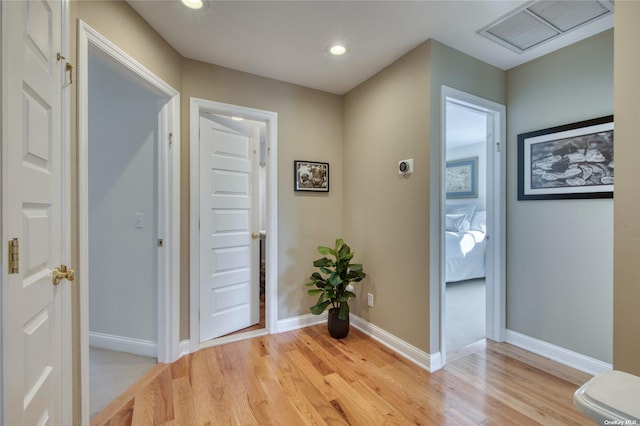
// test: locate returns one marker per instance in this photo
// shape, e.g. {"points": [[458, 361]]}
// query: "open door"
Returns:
{"points": [[229, 239], [34, 280]]}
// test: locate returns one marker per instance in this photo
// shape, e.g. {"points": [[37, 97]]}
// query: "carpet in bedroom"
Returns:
{"points": [[465, 313], [112, 373]]}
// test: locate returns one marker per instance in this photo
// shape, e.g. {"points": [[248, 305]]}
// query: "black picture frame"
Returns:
{"points": [[572, 161], [310, 176]]}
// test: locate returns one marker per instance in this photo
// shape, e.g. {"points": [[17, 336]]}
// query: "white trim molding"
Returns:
{"points": [[233, 338], [429, 362], [556, 353], [168, 346], [123, 344], [302, 321], [496, 224], [67, 308], [184, 348]]}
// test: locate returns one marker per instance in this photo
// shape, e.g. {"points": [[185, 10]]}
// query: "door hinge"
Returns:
{"points": [[14, 256], [170, 139], [497, 146], [160, 242]]}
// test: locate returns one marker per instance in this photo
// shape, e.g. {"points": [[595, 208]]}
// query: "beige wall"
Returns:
{"points": [[386, 215], [626, 321], [560, 252], [456, 70], [385, 119], [393, 116], [309, 128], [121, 25]]}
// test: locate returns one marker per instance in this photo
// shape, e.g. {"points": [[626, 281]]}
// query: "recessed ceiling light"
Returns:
{"points": [[337, 50], [237, 118], [193, 4]]}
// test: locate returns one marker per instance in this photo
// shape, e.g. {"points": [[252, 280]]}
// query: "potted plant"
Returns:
{"points": [[333, 286]]}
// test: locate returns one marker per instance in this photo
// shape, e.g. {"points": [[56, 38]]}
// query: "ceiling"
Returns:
{"points": [[288, 40]]}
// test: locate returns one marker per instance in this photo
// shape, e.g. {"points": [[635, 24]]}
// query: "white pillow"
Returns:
{"points": [[454, 222], [479, 221], [464, 209]]}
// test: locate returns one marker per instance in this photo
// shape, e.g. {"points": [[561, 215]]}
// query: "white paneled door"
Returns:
{"points": [[32, 164], [229, 248]]}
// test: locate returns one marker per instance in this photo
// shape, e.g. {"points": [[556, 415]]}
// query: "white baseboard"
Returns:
{"points": [[233, 338], [282, 326], [429, 362], [185, 345], [123, 344], [424, 360], [564, 356], [301, 321]]}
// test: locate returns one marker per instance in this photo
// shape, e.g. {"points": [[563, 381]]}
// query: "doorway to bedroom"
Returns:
{"points": [[472, 307], [465, 225]]}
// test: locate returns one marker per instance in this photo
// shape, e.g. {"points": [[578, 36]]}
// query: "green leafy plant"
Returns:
{"points": [[333, 282]]}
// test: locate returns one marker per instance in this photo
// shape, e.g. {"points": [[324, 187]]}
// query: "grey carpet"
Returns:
{"points": [[111, 374], [465, 313]]}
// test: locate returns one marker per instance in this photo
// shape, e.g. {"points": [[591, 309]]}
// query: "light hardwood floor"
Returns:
{"points": [[305, 377]]}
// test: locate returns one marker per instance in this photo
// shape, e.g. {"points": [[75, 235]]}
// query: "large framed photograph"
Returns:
{"points": [[311, 176], [461, 180], [566, 162]]}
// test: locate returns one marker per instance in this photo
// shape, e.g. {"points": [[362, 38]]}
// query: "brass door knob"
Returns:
{"points": [[62, 273], [255, 235]]}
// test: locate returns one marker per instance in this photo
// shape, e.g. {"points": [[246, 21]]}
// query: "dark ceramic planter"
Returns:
{"points": [[338, 328]]}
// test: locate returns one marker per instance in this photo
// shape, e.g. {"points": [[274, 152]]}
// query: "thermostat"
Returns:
{"points": [[405, 166]]}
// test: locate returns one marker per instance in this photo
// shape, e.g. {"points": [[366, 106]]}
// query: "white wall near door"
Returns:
{"points": [[123, 162]]}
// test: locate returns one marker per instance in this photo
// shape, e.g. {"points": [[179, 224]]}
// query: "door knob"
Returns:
{"points": [[62, 273], [255, 235]]}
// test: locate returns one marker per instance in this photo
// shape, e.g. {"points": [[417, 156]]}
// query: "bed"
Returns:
{"points": [[465, 243]]}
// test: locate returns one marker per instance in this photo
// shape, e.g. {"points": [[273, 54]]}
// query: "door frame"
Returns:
{"points": [[197, 107], [496, 222], [65, 214], [168, 346]]}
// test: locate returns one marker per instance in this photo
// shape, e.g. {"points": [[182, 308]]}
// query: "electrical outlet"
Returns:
{"points": [[370, 300], [139, 220]]}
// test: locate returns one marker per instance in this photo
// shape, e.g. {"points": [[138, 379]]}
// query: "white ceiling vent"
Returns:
{"points": [[543, 20]]}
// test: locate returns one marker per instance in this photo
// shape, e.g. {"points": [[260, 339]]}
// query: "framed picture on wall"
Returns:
{"points": [[461, 180], [310, 176], [564, 162]]}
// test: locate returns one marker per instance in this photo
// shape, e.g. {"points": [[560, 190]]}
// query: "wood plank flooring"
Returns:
{"points": [[305, 377]]}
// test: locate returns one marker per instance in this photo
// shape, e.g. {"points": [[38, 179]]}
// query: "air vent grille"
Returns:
{"points": [[543, 20], [522, 31]]}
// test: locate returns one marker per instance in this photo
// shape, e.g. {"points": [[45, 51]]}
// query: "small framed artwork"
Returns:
{"points": [[567, 162], [310, 176], [461, 180]]}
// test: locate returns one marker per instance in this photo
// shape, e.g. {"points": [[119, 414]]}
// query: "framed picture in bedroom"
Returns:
{"points": [[567, 162], [461, 179], [310, 176]]}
